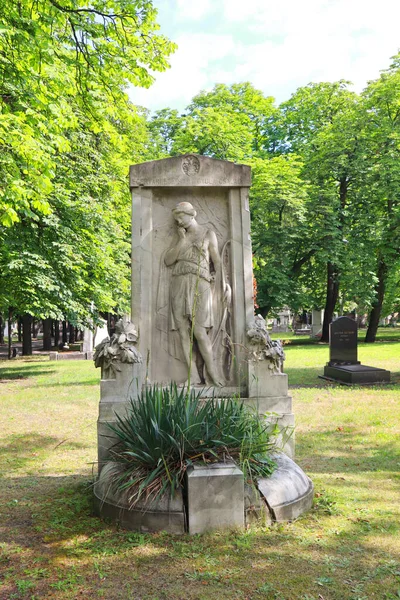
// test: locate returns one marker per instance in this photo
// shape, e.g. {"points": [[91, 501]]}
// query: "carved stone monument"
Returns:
{"points": [[121, 379], [192, 283], [343, 364], [192, 322]]}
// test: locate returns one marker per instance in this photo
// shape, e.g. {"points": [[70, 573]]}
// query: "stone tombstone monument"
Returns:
{"points": [[192, 276], [190, 225], [192, 321], [343, 365], [343, 342]]}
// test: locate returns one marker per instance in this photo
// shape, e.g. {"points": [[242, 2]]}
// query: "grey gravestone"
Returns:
{"points": [[343, 365], [343, 342]]}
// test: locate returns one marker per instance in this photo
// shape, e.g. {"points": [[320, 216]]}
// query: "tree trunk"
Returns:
{"points": [[19, 329], [34, 327], [375, 314], [2, 324], [26, 334], [332, 292], [71, 334], [56, 333], [64, 333], [47, 334], [9, 333]]}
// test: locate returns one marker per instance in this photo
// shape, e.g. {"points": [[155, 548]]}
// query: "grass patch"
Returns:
{"points": [[346, 548]]}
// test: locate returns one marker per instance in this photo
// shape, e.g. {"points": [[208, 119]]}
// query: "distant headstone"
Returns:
{"points": [[317, 318], [343, 342], [88, 340], [101, 332], [343, 365]]}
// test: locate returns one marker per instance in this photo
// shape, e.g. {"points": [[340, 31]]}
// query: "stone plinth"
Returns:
{"points": [[268, 394], [264, 383], [357, 374], [215, 497], [115, 399]]}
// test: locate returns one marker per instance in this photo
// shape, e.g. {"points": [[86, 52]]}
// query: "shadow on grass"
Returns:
{"points": [[81, 383], [339, 451], [305, 377], [51, 518], [24, 372], [18, 450]]}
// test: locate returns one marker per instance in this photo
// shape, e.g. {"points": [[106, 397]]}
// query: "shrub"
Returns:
{"points": [[168, 429]]}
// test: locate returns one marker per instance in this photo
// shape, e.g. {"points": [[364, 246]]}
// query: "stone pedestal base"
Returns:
{"points": [[115, 396], [316, 331], [356, 374], [215, 497], [166, 514], [268, 394]]}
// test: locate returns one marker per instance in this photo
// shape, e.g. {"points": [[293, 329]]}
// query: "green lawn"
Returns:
{"points": [[348, 547]]}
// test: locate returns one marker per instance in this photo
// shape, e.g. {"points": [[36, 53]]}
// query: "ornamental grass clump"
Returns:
{"points": [[168, 429]]}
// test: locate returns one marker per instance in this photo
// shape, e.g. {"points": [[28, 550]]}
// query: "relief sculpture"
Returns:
{"points": [[194, 300]]}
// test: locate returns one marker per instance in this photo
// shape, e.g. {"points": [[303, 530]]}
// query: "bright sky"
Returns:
{"points": [[277, 46]]}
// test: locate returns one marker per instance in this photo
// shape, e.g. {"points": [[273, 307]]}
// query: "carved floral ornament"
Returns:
{"points": [[262, 347], [190, 165], [121, 348]]}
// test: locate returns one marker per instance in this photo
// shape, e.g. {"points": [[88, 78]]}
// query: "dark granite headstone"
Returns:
{"points": [[343, 365], [343, 342]]}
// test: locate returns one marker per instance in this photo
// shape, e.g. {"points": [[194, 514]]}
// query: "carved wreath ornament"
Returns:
{"points": [[190, 165], [121, 348], [262, 347]]}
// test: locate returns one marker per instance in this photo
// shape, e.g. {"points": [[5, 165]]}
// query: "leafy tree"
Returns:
{"points": [[229, 123], [280, 230], [67, 135], [53, 51], [321, 123], [380, 187]]}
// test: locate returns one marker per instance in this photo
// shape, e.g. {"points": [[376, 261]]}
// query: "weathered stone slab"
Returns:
{"points": [[70, 356], [215, 497], [317, 318], [288, 492], [263, 383], [255, 507], [189, 170], [115, 399], [165, 514], [271, 404], [357, 374]]}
